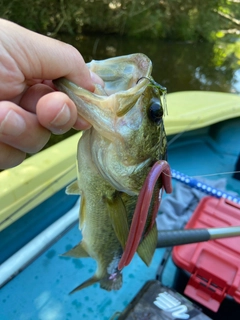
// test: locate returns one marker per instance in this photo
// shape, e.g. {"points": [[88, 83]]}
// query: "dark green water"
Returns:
{"points": [[177, 66]]}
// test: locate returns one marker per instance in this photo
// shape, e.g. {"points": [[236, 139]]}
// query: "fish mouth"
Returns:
{"points": [[160, 168]]}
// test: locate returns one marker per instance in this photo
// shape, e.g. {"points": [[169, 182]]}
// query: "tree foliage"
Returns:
{"points": [[185, 20]]}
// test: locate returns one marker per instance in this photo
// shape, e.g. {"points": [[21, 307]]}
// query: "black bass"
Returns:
{"points": [[121, 166]]}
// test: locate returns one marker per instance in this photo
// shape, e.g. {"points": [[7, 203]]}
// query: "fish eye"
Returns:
{"points": [[155, 112]]}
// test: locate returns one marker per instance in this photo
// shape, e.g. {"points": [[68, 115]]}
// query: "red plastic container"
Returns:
{"points": [[214, 266]]}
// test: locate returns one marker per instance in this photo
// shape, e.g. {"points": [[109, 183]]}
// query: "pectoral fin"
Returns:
{"points": [[118, 215], [148, 245], [77, 252], [73, 188]]}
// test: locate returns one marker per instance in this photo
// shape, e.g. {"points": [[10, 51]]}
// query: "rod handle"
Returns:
{"points": [[169, 238]]}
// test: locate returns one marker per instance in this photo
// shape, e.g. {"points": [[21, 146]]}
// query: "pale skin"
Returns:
{"points": [[30, 107]]}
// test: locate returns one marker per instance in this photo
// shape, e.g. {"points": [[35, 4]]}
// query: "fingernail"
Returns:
{"points": [[13, 124], [96, 78], [62, 117]]}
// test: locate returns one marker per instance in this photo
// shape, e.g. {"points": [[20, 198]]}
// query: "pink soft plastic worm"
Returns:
{"points": [[161, 167]]}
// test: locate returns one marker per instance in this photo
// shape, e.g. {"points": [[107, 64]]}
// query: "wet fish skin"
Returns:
{"points": [[113, 160]]}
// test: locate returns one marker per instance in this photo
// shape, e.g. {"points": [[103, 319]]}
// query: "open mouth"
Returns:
{"points": [[160, 169]]}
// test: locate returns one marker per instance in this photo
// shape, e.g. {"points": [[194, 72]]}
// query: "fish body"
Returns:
{"points": [[114, 158]]}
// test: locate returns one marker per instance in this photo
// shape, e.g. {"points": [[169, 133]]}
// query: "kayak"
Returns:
{"points": [[38, 222]]}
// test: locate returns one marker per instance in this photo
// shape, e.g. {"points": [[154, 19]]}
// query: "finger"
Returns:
{"points": [[53, 110], [31, 97], [81, 124], [44, 58], [96, 79], [56, 112], [10, 157], [20, 129]]}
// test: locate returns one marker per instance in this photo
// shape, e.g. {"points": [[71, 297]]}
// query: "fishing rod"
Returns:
{"points": [[169, 238]]}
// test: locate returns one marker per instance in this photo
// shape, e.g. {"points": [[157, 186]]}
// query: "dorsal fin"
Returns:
{"points": [[148, 245], [77, 252], [73, 188]]}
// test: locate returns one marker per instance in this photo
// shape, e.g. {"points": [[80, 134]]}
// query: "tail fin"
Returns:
{"points": [[112, 282]]}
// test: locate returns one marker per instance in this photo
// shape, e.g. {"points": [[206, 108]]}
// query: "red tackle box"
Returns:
{"points": [[213, 266]]}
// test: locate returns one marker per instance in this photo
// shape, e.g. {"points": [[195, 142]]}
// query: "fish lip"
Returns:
{"points": [[130, 68], [120, 99], [99, 106]]}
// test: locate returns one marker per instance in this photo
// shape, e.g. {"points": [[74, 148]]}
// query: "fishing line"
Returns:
{"points": [[177, 136], [161, 89], [208, 174], [216, 174]]}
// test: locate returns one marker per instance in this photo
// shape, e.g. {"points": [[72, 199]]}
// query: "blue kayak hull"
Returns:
{"points": [[41, 290]]}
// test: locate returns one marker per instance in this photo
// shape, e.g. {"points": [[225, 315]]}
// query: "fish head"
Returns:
{"points": [[127, 117]]}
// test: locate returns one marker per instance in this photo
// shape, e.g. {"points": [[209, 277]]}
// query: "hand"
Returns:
{"points": [[30, 108]]}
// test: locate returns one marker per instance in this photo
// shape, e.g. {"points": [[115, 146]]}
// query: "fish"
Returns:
{"points": [[121, 166]]}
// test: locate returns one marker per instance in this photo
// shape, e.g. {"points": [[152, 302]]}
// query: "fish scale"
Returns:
{"points": [[115, 161]]}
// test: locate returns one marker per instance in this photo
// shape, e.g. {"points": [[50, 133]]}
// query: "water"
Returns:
{"points": [[177, 66]]}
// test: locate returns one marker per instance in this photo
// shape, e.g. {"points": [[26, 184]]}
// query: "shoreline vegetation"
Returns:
{"points": [[211, 30], [175, 20]]}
